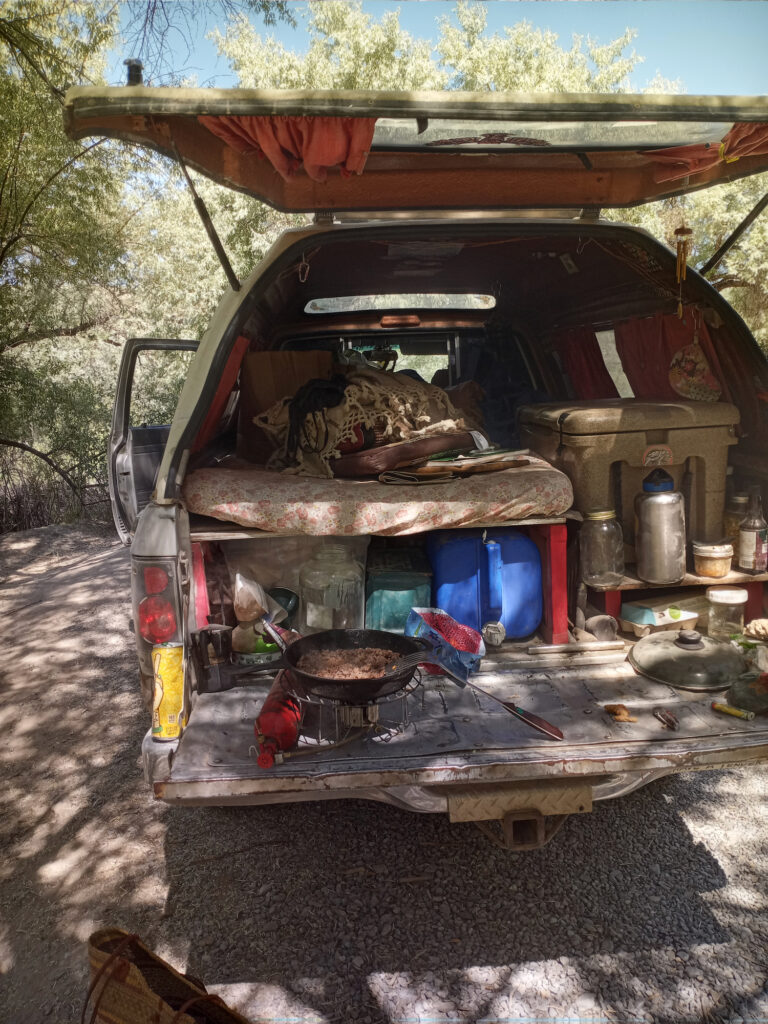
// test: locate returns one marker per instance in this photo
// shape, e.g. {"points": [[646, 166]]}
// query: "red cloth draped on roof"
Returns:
{"points": [[649, 346], [582, 360], [317, 143], [744, 139]]}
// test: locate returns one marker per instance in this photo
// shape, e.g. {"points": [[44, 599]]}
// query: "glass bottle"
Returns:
{"points": [[753, 536], [601, 546], [331, 591], [735, 511]]}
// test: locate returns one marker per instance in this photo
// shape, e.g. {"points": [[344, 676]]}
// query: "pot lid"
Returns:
{"points": [[687, 659]]}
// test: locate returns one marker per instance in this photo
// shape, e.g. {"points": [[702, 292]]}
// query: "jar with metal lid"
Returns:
{"points": [[712, 560], [735, 511], [726, 611], [331, 591], [601, 547]]}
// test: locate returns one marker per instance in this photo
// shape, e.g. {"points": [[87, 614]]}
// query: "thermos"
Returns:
{"points": [[660, 532]]}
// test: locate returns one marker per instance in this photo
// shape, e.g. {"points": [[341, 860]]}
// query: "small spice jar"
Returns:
{"points": [[712, 560], [726, 611]]}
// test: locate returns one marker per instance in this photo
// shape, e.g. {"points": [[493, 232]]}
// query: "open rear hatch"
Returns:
{"points": [[304, 151]]}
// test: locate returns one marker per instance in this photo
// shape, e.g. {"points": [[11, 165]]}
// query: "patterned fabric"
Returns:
{"points": [[282, 503]]}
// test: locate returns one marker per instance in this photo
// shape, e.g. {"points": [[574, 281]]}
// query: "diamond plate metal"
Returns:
{"points": [[485, 803]]}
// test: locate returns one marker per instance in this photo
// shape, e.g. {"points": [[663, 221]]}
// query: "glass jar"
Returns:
{"points": [[601, 547], [331, 591], [713, 560], [726, 611], [735, 511]]}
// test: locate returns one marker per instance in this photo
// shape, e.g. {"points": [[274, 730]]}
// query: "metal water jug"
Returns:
{"points": [[660, 531]]}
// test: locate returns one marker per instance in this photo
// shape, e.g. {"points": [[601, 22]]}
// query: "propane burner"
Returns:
{"points": [[327, 720], [294, 723]]}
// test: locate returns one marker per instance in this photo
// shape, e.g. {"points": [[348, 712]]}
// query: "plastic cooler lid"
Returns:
{"points": [[627, 415]]}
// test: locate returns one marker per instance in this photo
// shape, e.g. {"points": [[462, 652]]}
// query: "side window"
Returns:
{"points": [[157, 382]]}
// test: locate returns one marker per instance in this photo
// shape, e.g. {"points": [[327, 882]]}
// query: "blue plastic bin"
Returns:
{"points": [[482, 576]]}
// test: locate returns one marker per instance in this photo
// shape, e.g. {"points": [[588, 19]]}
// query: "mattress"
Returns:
{"points": [[285, 503]]}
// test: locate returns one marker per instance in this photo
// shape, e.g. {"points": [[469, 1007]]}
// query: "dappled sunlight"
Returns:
{"points": [[346, 911]]}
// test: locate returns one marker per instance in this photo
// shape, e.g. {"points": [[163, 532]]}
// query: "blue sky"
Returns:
{"points": [[712, 46]]}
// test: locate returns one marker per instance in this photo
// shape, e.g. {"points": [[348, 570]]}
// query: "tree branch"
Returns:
{"points": [[47, 459], [61, 332]]}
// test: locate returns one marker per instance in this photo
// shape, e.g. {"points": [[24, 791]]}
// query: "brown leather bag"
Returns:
{"points": [[132, 985]]}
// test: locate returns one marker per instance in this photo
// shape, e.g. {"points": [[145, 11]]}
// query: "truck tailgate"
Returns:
{"points": [[458, 736]]}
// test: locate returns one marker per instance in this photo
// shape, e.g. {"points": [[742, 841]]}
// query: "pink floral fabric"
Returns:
{"points": [[284, 503]]}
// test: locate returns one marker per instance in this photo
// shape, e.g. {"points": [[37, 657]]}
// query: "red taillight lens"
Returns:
{"points": [[157, 621], [155, 579]]}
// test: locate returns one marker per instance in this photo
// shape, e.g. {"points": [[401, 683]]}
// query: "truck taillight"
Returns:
{"points": [[155, 600], [155, 579], [157, 619]]}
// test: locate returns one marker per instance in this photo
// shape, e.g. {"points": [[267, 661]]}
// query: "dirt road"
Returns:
{"points": [[651, 908]]}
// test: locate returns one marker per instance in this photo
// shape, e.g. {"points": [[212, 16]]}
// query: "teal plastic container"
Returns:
{"points": [[397, 580]]}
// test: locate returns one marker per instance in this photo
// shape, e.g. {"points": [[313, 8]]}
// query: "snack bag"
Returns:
{"points": [[436, 625]]}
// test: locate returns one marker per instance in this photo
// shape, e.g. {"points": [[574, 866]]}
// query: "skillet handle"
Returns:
{"points": [[227, 677]]}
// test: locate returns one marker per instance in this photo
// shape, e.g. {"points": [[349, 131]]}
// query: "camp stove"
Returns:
{"points": [[328, 720]]}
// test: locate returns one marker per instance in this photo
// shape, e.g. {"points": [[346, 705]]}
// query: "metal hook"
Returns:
{"points": [[303, 269]]}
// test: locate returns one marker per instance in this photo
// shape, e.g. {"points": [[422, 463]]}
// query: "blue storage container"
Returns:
{"points": [[485, 576]]}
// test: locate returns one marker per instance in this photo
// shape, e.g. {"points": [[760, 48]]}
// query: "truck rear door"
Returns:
{"points": [[151, 373]]}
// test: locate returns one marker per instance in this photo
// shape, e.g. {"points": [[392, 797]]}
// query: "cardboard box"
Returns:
{"points": [[265, 378]]}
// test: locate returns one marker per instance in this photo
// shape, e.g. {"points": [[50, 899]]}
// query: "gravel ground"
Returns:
{"points": [[651, 908]]}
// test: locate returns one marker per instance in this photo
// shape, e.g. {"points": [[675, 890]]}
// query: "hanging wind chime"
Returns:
{"points": [[682, 236]]}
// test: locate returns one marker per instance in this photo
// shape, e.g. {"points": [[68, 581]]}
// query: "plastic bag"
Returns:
{"points": [[436, 625], [252, 602]]}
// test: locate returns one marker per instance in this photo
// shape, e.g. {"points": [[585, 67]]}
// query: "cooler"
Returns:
{"points": [[483, 576], [606, 448]]}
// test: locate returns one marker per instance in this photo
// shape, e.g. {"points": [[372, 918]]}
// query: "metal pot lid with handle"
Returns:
{"points": [[687, 660]]}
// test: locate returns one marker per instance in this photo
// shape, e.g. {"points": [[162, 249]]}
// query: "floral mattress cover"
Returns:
{"points": [[285, 503]]}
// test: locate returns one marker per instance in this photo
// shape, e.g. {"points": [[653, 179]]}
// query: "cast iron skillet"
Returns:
{"points": [[350, 640]]}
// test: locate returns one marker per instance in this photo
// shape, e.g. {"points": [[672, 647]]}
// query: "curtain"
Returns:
{"points": [[680, 161], [582, 360], [288, 143], [662, 361]]}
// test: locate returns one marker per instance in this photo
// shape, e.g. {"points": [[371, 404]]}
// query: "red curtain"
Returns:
{"points": [[223, 391], [316, 143], [680, 161], [646, 348], [582, 360]]}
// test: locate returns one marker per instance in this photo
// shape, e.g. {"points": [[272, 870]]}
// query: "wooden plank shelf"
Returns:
{"points": [[609, 600], [734, 578]]}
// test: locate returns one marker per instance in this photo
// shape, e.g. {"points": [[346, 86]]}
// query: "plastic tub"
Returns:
{"points": [[712, 560]]}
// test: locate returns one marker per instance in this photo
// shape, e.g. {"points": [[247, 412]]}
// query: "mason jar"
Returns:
{"points": [[331, 591], [601, 547]]}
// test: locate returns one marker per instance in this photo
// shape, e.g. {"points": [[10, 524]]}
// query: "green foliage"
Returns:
{"points": [[100, 242]]}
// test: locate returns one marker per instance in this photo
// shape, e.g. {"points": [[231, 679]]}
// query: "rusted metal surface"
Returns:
{"points": [[458, 738]]}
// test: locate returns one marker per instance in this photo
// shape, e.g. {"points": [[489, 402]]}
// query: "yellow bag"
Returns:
{"points": [[132, 985]]}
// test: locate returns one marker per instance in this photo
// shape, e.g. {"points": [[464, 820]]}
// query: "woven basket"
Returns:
{"points": [[132, 985]]}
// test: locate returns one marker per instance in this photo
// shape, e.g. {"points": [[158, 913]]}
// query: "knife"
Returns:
{"points": [[533, 720], [526, 716]]}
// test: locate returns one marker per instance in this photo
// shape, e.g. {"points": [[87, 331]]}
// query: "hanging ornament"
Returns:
{"points": [[682, 236]]}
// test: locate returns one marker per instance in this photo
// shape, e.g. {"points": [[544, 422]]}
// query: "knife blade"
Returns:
{"points": [[534, 721], [525, 716]]}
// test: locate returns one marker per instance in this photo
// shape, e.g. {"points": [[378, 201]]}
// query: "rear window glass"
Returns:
{"points": [[396, 133], [431, 300]]}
